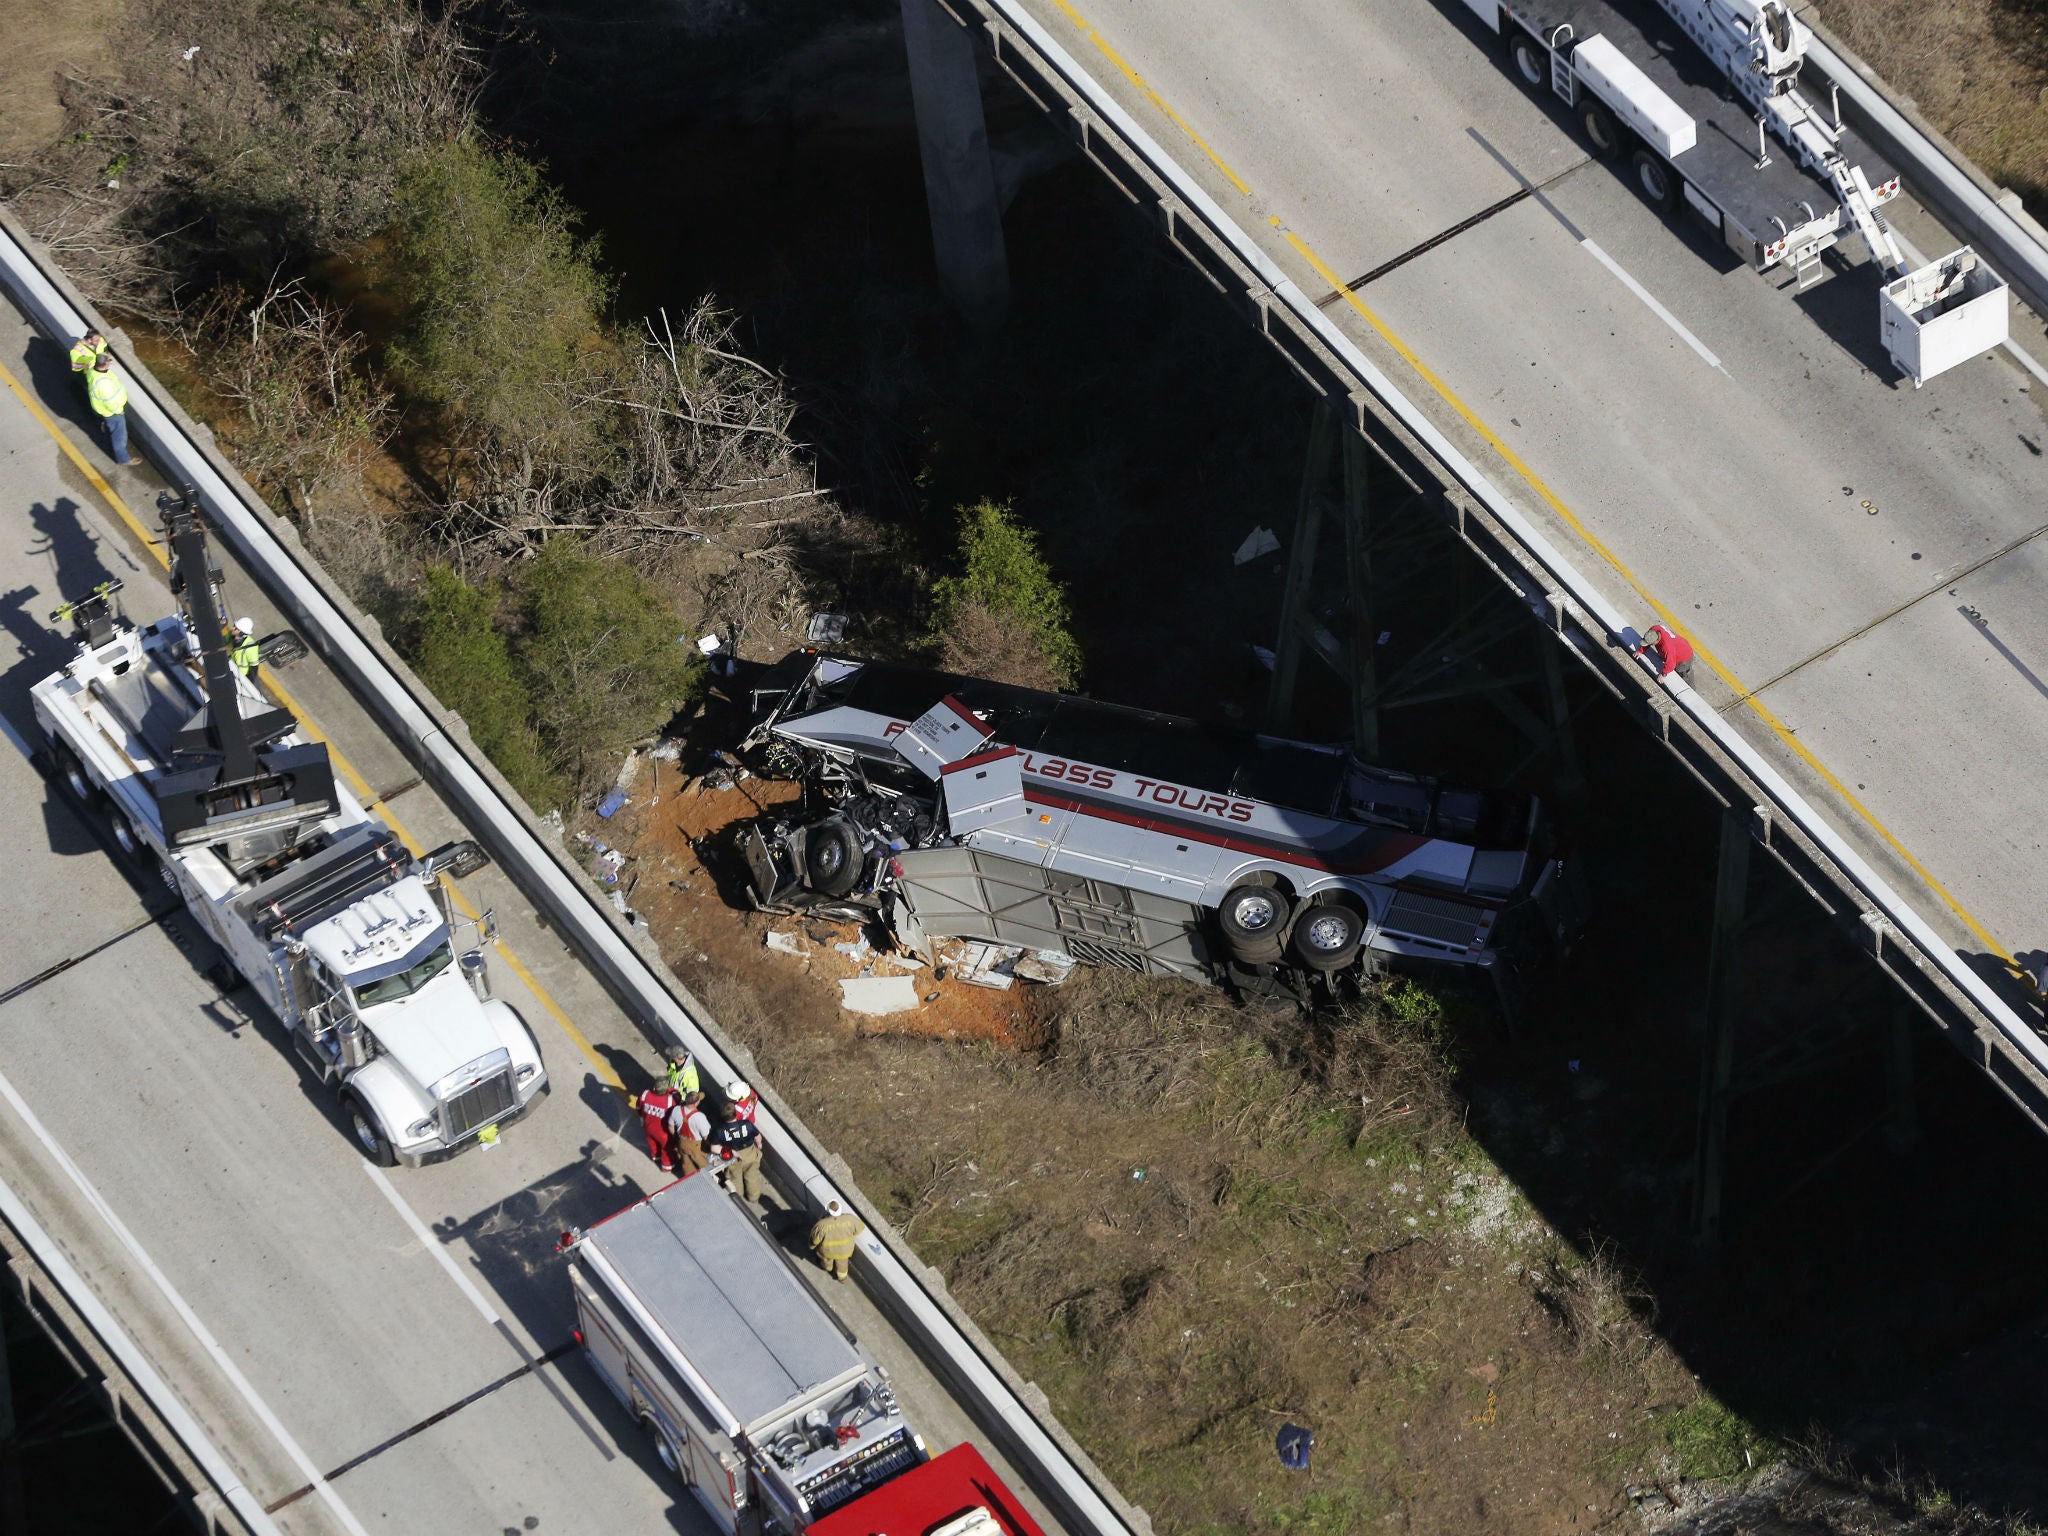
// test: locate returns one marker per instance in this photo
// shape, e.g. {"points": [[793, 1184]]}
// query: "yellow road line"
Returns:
{"points": [[86, 467], [347, 769], [1551, 499], [1144, 89]]}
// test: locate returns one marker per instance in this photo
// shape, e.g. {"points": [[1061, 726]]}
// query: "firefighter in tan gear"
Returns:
{"points": [[833, 1236]]}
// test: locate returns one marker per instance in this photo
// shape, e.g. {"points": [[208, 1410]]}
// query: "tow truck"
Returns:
{"points": [[1701, 99], [200, 780]]}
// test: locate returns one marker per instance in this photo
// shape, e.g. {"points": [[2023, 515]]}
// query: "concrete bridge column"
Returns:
{"points": [[959, 177]]}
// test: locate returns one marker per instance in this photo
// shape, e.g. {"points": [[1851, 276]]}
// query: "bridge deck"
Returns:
{"points": [[1860, 562], [307, 1310]]}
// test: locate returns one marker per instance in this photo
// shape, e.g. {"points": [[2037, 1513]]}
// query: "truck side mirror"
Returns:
{"points": [[458, 860]]}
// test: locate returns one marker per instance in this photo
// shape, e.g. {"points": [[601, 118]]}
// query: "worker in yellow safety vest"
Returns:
{"points": [[833, 1236], [109, 397], [84, 353], [247, 652]]}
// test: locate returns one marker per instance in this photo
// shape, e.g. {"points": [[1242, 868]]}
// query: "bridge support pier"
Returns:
{"points": [[1360, 648], [959, 176], [1717, 1063]]}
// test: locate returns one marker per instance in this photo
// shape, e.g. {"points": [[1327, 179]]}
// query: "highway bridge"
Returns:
{"points": [[1629, 425], [300, 1341]]}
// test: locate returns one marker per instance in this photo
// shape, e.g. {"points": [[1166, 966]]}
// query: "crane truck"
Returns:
{"points": [[953, 807], [751, 1393], [346, 936], [1701, 99]]}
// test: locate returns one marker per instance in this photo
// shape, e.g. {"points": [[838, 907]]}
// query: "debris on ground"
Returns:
{"points": [[784, 943], [878, 996], [1260, 541]]}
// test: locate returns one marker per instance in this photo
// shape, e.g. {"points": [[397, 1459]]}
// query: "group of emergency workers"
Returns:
{"points": [[683, 1139]]}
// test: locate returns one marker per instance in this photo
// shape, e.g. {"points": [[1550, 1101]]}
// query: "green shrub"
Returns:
{"points": [[1707, 1439], [504, 304], [1005, 612], [459, 652], [600, 657]]}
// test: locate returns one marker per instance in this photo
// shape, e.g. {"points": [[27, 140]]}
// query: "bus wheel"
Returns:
{"points": [[1253, 918], [1327, 938]]}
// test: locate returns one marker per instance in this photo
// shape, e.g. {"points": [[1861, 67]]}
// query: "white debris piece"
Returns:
{"points": [[709, 644], [984, 965], [784, 943], [1260, 541], [857, 951], [1048, 967], [878, 995]]}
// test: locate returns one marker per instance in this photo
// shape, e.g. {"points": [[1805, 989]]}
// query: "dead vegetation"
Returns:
{"points": [[1978, 70]]}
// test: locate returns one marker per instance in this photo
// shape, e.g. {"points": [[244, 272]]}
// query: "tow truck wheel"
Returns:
{"points": [[1603, 134], [1327, 938], [369, 1138], [832, 858], [1532, 61], [1656, 181], [1253, 918], [72, 775], [127, 841]]}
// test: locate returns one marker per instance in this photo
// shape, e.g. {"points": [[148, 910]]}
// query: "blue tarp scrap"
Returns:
{"points": [[612, 803], [1294, 1443]]}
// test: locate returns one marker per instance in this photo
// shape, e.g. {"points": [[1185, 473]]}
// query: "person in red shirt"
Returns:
{"points": [[1674, 651], [661, 1117]]}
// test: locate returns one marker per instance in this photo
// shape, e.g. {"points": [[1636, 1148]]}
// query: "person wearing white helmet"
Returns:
{"points": [[742, 1100], [247, 653]]}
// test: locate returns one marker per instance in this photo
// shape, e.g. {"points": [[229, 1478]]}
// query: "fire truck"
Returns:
{"points": [[954, 807], [1700, 100], [753, 1396], [348, 938]]}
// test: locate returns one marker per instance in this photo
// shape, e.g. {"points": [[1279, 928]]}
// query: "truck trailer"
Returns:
{"points": [[751, 1393], [955, 807], [346, 936], [1700, 100]]}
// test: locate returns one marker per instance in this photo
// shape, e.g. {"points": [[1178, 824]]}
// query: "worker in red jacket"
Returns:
{"points": [[1674, 651], [661, 1116]]}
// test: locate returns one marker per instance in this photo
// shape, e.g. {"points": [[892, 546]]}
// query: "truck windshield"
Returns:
{"points": [[403, 982]]}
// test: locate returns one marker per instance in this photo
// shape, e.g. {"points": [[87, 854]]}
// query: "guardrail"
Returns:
{"points": [[1012, 1412], [1582, 614]]}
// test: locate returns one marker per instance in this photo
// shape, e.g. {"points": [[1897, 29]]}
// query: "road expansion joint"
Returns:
{"points": [[1524, 191], [1941, 584], [438, 1417], [50, 973]]}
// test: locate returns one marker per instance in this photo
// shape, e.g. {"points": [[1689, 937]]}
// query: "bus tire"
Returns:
{"points": [[1602, 132], [1656, 182], [1531, 61], [832, 858], [1327, 938], [1253, 919]]}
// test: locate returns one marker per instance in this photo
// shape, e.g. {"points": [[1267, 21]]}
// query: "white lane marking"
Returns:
{"points": [[207, 1341], [432, 1244], [2020, 354], [1650, 299]]}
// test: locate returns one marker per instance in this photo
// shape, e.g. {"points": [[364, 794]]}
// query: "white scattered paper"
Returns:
{"points": [[784, 943], [1260, 541]]}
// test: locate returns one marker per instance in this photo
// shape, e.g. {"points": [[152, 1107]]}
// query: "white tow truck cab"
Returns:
{"points": [[752, 1394], [1701, 98], [345, 935]]}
